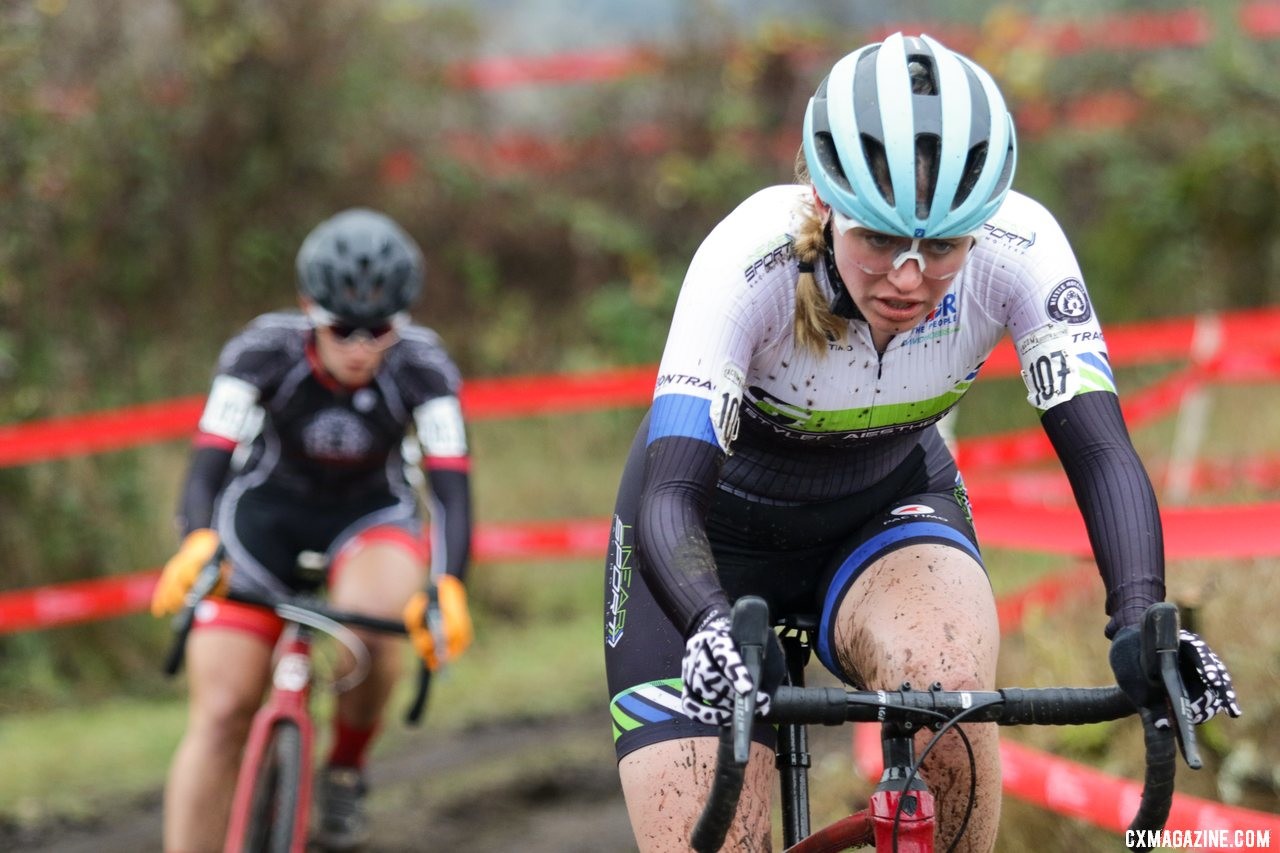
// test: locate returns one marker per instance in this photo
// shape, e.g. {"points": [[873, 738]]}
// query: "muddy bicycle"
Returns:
{"points": [[271, 805], [899, 817]]}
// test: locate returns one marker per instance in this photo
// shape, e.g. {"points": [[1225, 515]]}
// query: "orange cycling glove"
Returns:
{"points": [[181, 572], [453, 628]]}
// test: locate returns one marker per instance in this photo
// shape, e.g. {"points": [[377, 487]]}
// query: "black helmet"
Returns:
{"points": [[360, 266]]}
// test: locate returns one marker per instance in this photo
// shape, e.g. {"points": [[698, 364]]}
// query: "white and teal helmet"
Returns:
{"points": [[907, 137]]}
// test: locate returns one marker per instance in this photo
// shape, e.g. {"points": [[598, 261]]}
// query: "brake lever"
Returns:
{"points": [[181, 623], [435, 624], [749, 629], [1160, 663]]}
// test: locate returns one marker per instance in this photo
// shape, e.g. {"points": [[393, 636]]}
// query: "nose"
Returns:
{"points": [[908, 276]]}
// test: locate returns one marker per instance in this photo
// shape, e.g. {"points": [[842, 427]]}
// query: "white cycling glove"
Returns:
{"points": [[1209, 688], [713, 674]]}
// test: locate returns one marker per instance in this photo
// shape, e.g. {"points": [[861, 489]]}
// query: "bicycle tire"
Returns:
{"points": [[273, 806]]}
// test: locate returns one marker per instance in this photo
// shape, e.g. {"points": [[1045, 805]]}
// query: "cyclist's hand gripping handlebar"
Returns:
{"points": [[1166, 701], [205, 583], [750, 632], [1160, 660], [417, 706]]}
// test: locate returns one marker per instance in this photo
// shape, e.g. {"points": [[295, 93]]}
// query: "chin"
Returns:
{"points": [[356, 377]]}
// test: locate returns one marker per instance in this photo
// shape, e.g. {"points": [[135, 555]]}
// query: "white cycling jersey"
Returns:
{"points": [[820, 426]]}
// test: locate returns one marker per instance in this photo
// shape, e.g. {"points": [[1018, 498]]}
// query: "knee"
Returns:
{"points": [[222, 720], [952, 667], [386, 654]]}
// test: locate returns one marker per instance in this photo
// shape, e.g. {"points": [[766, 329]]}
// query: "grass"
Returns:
{"points": [[512, 670], [67, 755]]}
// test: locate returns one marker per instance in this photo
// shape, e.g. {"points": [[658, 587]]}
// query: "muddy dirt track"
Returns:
{"points": [[547, 786], [536, 786]]}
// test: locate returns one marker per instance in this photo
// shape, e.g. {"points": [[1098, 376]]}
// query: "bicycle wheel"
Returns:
{"points": [[273, 807]]}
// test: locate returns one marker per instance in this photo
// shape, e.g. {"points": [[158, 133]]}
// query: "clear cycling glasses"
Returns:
{"points": [[377, 336], [880, 254]]}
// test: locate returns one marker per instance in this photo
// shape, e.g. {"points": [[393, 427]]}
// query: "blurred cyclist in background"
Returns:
{"points": [[318, 404], [792, 451]]}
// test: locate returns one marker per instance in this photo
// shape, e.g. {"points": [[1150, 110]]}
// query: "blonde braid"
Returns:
{"points": [[815, 323]]}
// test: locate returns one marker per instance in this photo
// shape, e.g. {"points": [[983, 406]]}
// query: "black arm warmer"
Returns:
{"points": [[205, 477], [677, 564], [451, 519], [1117, 501]]}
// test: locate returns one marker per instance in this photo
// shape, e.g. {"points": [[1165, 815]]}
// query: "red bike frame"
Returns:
{"points": [[899, 815], [286, 710], [288, 702]]}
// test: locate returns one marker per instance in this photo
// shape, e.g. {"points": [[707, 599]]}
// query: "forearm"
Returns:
{"points": [[451, 521], [1116, 500], [205, 476], [675, 555]]}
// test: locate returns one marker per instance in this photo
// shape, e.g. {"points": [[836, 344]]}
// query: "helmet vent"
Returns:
{"points": [[829, 160], [878, 163], [972, 171], [928, 157], [924, 79]]}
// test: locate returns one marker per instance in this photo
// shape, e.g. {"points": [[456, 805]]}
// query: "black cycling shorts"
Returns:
{"points": [[801, 559], [265, 530]]}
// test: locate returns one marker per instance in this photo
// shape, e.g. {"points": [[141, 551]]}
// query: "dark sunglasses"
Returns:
{"points": [[343, 331]]}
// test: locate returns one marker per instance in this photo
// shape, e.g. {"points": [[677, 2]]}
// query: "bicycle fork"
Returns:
{"points": [[901, 805], [287, 704]]}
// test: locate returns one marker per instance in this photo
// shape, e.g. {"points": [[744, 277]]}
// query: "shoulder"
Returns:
{"points": [[1023, 249], [420, 364], [269, 343], [1022, 225], [767, 216], [755, 240]]}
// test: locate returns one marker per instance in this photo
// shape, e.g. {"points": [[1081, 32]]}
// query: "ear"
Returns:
{"points": [[818, 203]]}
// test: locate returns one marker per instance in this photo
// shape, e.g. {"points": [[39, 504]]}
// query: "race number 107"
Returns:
{"points": [[1048, 376]]}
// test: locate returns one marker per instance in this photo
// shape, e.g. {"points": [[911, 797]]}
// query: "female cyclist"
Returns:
{"points": [[319, 404], [791, 450]]}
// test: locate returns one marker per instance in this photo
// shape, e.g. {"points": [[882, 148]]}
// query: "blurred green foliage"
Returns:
{"points": [[159, 163]]}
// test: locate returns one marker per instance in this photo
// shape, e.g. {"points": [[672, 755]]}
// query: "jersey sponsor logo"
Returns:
{"points": [[913, 509], [1069, 303], [619, 582], [777, 428], [943, 320], [1049, 335], [778, 411], [1013, 240], [944, 309], [961, 495], [682, 380], [337, 435], [768, 261]]}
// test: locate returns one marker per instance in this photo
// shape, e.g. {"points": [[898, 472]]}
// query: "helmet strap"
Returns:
{"points": [[842, 304]]}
